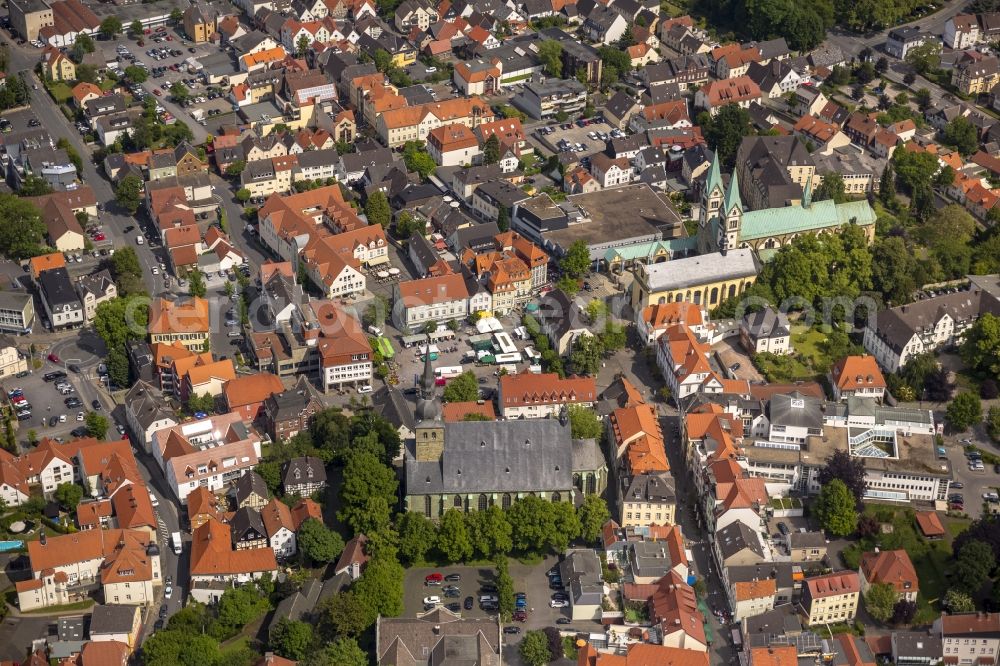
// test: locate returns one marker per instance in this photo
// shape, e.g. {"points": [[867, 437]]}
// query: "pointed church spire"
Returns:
{"points": [[427, 402], [732, 196], [807, 193], [714, 175]]}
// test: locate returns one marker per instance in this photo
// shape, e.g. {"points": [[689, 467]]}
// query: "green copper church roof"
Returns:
{"points": [[732, 195], [759, 224], [714, 175], [649, 250]]}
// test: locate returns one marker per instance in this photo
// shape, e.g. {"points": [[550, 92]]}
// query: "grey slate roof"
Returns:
{"points": [[244, 520], [796, 410], [147, 403], [655, 487], [557, 310], [311, 469], [766, 323], [897, 325], [250, 483], [736, 537], [438, 637], [112, 619], [499, 456], [393, 407], [587, 455]]}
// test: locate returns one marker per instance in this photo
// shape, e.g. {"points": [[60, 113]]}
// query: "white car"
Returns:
{"points": [[365, 388], [434, 599], [167, 591], [62, 418], [156, 271], [558, 603], [79, 416]]}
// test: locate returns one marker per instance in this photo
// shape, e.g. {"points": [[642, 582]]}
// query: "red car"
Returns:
{"points": [[170, 38], [157, 92], [99, 237], [53, 358], [433, 579]]}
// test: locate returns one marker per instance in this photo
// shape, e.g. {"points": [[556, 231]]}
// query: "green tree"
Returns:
{"points": [[380, 589], [383, 61], [417, 159], [592, 513], [981, 348], [270, 472], [724, 132], [69, 495], [407, 225], [111, 27], [914, 170], [585, 356], [200, 403], [534, 649], [365, 476], [491, 150], [584, 423], [343, 614], [176, 15], [22, 232], [887, 186], [955, 601], [880, 601], [893, 269], [550, 54], [973, 566], [377, 209], [835, 509], [993, 423], [302, 46], [318, 543], [179, 92], [128, 193], [464, 388], [505, 589], [417, 536], [961, 134], [291, 638], [236, 168], [136, 74], [177, 648], [576, 261], [34, 186], [96, 424], [613, 337], [196, 283], [926, 57], [135, 27], [964, 411], [832, 187], [341, 652], [489, 531], [243, 195], [453, 539]]}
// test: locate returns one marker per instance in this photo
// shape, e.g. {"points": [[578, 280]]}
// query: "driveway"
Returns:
{"points": [[732, 354]]}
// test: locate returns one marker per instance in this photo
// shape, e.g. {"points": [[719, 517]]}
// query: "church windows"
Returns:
{"points": [[715, 296], [427, 506], [732, 290], [592, 484], [483, 503], [556, 496], [505, 501], [458, 501]]}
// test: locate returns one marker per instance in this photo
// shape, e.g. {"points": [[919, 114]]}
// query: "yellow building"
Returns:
{"points": [[831, 598], [975, 73], [199, 23], [57, 66], [706, 280]]}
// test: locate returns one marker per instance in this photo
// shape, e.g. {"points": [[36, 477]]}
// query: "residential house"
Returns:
{"points": [[562, 320], [59, 298], [740, 90], [94, 289], [901, 40], [433, 299], [961, 32], [246, 529], [246, 395], [453, 145], [892, 567], [344, 351], [975, 73], [766, 331], [214, 560], [183, 321], [857, 376], [580, 570], [280, 528], [434, 633], [353, 558], [303, 476], [969, 638], [251, 491], [289, 412], [146, 412], [611, 172]]}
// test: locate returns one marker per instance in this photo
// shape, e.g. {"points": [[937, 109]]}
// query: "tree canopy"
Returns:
{"points": [[880, 600], [849, 470], [964, 411], [835, 508], [464, 388], [974, 564], [319, 543], [377, 209], [22, 232], [725, 131]]}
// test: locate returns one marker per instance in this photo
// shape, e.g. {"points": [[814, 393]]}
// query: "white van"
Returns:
{"points": [[139, 240]]}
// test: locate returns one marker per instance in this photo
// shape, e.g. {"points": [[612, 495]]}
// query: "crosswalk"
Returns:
{"points": [[162, 529]]}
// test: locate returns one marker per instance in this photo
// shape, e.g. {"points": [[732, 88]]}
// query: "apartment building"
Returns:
{"points": [[970, 638], [414, 123], [183, 321], [831, 598], [344, 351], [17, 312], [433, 299]]}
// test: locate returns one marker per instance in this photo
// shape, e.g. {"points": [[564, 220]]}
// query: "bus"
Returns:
{"points": [[504, 343]]}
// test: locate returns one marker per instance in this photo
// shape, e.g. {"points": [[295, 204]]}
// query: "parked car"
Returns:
{"points": [[468, 603], [433, 599], [558, 603], [433, 579], [563, 620], [510, 629], [456, 577]]}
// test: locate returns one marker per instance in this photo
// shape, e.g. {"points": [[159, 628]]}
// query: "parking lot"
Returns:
{"points": [[48, 403], [530, 579], [165, 63], [560, 137]]}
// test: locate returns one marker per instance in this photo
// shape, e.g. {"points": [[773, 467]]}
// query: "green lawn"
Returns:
{"points": [[234, 645], [806, 342], [60, 91], [65, 608]]}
